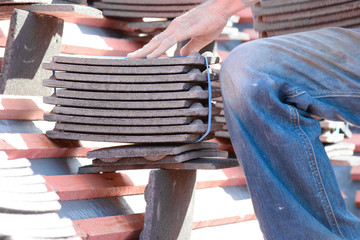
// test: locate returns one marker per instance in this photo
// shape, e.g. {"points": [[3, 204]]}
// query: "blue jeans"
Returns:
{"points": [[272, 89]]}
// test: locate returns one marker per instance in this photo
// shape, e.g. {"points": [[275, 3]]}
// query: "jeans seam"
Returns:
{"points": [[315, 170], [324, 94], [337, 95], [292, 93], [321, 94]]}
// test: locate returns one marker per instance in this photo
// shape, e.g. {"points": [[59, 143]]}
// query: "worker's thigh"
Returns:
{"points": [[316, 71]]}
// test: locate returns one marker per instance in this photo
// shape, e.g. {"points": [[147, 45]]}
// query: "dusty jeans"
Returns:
{"points": [[271, 88]]}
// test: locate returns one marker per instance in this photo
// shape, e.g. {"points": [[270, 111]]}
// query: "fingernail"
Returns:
{"points": [[132, 54]]}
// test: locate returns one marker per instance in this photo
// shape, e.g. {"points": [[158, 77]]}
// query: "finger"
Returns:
{"points": [[163, 47], [162, 42], [155, 42], [148, 48], [192, 46]]}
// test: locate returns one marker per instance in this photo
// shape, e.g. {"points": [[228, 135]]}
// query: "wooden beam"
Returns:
{"points": [[245, 16], [88, 44], [107, 228], [3, 39], [4, 28], [355, 138], [23, 107], [253, 34], [130, 226], [7, 10], [80, 50], [220, 178], [35, 145], [104, 22], [223, 221], [355, 173], [223, 55], [85, 186], [76, 42]]}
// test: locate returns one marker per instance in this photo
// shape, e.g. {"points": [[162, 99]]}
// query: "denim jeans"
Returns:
{"points": [[272, 89]]}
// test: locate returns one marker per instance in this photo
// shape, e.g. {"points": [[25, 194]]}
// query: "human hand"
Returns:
{"points": [[202, 25]]}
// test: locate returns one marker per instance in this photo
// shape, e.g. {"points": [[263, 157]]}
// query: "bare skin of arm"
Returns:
{"points": [[201, 25]]}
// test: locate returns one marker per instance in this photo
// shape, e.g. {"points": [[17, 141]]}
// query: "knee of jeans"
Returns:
{"points": [[241, 69]]}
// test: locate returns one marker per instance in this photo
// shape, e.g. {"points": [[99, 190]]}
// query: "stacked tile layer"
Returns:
{"points": [[130, 100], [221, 119], [158, 13], [280, 17], [202, 155], [145, 9]]}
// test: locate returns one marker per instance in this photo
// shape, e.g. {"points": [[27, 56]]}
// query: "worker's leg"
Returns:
{"points": [[270, 88]]}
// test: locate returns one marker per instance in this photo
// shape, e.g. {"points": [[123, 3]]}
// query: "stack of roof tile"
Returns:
{"points": [[223, 133], [130, 100], [158, 12], [27, 208], [202, 155], [278, 17], [146, 9], [160, 105]]}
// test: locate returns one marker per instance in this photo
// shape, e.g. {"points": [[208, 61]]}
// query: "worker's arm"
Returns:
{"points": [[202, 25]]}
